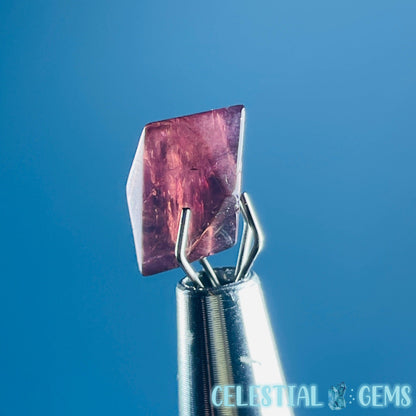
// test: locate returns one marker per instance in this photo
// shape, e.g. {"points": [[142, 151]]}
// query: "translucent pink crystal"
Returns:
{"points": [[186, 162]]}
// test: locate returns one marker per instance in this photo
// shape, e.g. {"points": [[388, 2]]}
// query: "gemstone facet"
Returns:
{"points": [[186, 162]]}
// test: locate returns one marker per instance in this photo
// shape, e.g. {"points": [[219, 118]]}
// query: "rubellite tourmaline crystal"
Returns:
{"points": [[186, 162]]}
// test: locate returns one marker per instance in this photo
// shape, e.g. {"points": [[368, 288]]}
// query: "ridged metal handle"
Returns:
{"points": [[224, 338]]}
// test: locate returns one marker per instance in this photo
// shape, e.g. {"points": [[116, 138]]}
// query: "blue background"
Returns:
{"points": [[330, 154]]}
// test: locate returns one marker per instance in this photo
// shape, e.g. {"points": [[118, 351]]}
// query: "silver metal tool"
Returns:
{"points": [[224, 332]]}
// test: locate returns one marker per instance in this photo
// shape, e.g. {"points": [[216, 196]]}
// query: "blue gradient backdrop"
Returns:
{"points": [[329, 161]]}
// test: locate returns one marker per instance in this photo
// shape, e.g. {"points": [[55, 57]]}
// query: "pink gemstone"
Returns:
{"points": [[186, 162]]}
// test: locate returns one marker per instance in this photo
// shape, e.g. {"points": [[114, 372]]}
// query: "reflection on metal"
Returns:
{"points": [[225, 338], [253, 236], [181, 245]]}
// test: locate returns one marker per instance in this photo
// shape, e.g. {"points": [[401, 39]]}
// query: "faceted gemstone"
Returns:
{"points": [[336, 399], [186, 162]]}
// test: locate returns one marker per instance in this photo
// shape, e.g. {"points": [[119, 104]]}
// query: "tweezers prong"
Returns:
{"points": [[252, 236], [246, 242], [210, 272], [181, 245]]}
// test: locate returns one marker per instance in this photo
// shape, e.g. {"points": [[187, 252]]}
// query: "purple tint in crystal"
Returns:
{"points": [[186, 162]]}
